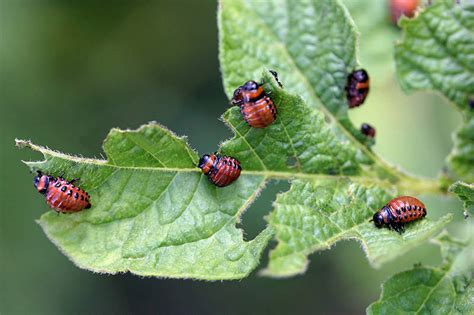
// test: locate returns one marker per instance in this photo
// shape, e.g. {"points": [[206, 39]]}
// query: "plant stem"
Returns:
{"points": [[420, 186]]}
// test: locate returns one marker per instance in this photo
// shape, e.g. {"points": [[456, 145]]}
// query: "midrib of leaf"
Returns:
{"points": [[144, 146], [419, 185]]}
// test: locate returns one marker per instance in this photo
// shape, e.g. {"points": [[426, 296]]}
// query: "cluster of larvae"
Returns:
{"points": [[259, 111]]}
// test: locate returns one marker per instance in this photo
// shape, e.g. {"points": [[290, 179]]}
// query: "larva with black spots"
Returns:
{"points": [[398, 212], [60, 194]]}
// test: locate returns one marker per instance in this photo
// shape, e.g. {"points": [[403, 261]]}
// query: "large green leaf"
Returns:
{"points": [[152, 212], [447, 289], [437, 53]]}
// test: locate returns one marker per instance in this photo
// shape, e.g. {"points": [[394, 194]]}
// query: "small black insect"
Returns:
{"points": [[367, 130]]}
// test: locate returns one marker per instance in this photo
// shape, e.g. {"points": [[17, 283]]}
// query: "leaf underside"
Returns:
{"points": [[447, 289], [437, 53], [155, 214]]}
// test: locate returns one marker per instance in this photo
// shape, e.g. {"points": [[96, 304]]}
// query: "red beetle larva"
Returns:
{"points": [[399, 211], [61, 195], [256, 107], [220, 170]]}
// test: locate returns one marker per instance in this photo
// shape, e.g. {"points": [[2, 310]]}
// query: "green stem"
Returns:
{"points": [[411, 185]]}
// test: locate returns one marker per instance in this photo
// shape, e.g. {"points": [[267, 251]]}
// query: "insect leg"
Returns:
{"points": [[402, 228], [74, 180]]}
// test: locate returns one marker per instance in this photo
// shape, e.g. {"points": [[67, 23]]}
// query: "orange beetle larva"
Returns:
{"points": [[61, 195], [399, 211]]}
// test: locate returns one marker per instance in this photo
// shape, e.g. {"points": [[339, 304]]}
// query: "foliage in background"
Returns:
{"points": [[465, 192], [437, 53], [447, 289]]}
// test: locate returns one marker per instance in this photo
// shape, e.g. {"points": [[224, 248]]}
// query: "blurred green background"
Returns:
{"points": [[72, 70]]}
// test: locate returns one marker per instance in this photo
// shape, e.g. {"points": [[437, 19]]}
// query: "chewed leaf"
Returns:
{"points": [[447, 289], [153, 213], [313, 216], [437, 53]]}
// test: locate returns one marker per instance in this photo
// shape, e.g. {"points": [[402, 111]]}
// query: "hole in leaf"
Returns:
{"points": [[253, 221]]}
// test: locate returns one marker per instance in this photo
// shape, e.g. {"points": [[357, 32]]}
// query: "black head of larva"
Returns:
{"points": [[206, 162], [203, 160], [378, 220], [250, 86], [360, 75], [382, 217]]}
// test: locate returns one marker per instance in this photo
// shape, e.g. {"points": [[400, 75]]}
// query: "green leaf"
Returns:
{"points": [[313, 216], [153, 213], [465, 192], [312, 46], [447, 289], [437, 53]]}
